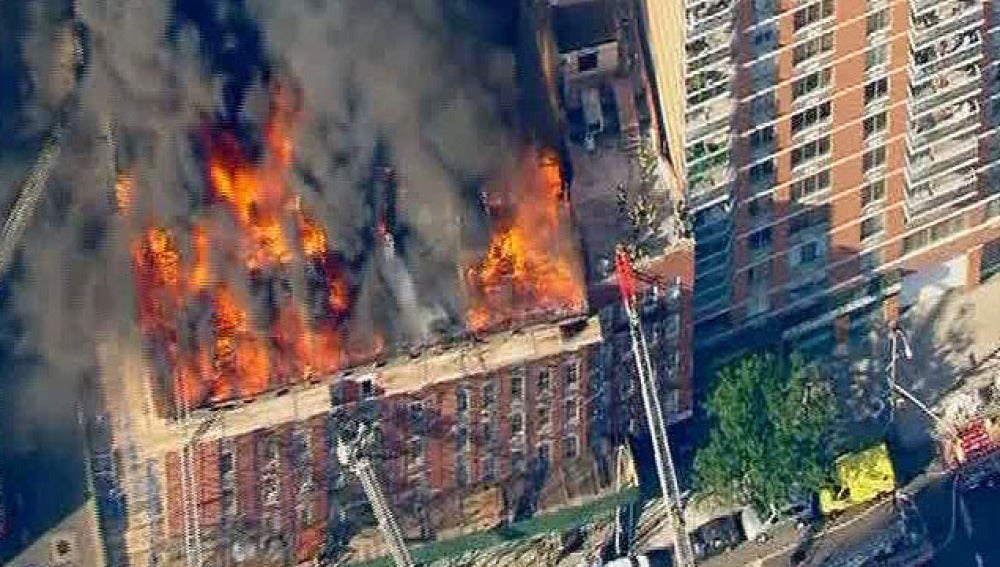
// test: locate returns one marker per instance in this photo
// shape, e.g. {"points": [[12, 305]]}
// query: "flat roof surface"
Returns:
{"points": [[584, 24]]}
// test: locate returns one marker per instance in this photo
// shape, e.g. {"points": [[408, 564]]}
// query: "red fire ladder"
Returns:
{"points": [[655, 419]]}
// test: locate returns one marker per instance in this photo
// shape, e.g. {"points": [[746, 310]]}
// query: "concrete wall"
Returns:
{"points": [[664, 24]]}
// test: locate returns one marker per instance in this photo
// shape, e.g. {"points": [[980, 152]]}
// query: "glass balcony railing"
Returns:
{"points": [[708, 49], [706, 147], [932, 126], [943, 19], [709, 117], [950, 85], [710, 177], [940, 157], [925, 197], [711, 15], [945, 54]]}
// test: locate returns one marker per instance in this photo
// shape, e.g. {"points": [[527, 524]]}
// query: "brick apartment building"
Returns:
{"points": [[839, 157], [471, 432]]}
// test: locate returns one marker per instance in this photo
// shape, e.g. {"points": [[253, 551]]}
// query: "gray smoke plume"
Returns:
{"points": [[414, 85]]}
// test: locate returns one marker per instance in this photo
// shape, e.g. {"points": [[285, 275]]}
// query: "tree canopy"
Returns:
{"points": [[771, 433]]}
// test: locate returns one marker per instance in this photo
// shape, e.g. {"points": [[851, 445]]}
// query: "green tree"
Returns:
{"points": [[772, 428]]}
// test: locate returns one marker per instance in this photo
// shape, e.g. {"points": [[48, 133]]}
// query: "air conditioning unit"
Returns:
{"points": [[62, 550]]}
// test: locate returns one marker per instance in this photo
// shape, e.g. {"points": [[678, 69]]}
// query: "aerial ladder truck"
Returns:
{"points": [[655, 420], [355, 454]]}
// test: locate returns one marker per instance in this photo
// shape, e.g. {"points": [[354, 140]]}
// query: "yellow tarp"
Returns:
{"points": [[861, 477]]}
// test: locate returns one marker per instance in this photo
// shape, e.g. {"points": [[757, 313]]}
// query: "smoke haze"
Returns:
{"points": [[423, 87]]}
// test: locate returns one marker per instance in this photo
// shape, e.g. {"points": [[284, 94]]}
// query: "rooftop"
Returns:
{"points": [[584, 24]]}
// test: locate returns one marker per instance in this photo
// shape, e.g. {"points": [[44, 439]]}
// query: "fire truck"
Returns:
{"points": [[974, 450]]}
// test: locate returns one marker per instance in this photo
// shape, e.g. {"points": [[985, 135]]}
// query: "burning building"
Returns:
{"points": [[267, 331]]}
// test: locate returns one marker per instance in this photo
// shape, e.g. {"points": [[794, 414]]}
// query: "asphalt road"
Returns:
{"points": [[975, 540]]}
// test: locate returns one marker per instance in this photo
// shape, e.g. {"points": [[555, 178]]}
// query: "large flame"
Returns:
{"points": [[531, 265], [243, 357]]}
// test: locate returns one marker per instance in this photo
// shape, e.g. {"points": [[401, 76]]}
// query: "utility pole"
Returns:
{"points": [[899, 346], [666, 473]]}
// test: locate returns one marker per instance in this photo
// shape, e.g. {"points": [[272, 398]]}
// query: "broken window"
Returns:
{"points": [[544, 379], [489, 394], [586, 61]]}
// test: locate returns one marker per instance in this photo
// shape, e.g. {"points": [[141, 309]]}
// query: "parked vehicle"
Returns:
{"points": [[861, 477]]}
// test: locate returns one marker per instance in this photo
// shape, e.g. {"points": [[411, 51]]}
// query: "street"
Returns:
{"points": [[973, 540]]}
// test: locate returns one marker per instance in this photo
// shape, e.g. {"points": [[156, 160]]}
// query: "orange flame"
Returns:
{"points": [[530, 265], [240, 360]]}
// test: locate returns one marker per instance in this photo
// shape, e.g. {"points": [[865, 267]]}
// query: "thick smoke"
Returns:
{"points": [[411, 85], [411, 75]]}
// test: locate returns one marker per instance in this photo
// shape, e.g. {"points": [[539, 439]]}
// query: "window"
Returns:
{"points": [[516, 424], [811, 82], [811, 185], [812, 48], [760, 207], [571, 411], [873, 158], [586, 61], [762, 136], [572, 447], [517, 386], [872, 192], [757, 275], [761, 171], [542, 417], [813, 13], [544, 381], [810, 150], [810, 117], [876, 56], [489, 394], [875, 124], [571, 375], [544, 453], [871, 226], [763, 38], [807, 219], [876, 90], [760, 239], [462, 398], [870, 260], [878, 21], [490, 468], [808, 252]]}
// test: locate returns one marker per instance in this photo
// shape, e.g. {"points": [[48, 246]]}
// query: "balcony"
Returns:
{"points": [[929, 195], [709, 49], [918, 7], [952, 84], [708, 85], [930, 127], [708, 16], [941, 157], [709, 117], [945, 54], [709, 174], [943, 19]]}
